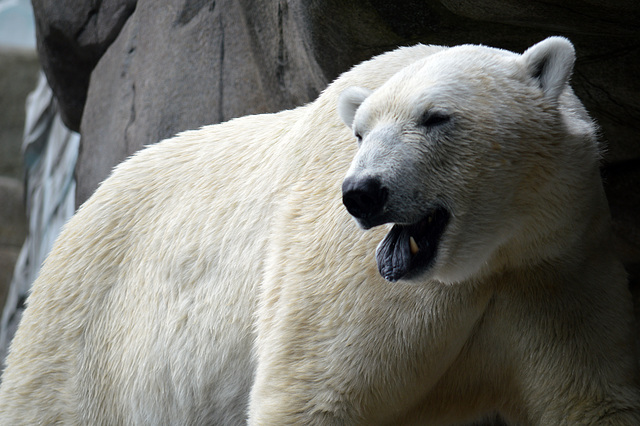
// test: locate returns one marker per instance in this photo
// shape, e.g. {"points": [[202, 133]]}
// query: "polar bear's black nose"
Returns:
{"points": [[363, 197]]}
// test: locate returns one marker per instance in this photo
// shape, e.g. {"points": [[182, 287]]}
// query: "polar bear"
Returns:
{"points": [[221, 276]]}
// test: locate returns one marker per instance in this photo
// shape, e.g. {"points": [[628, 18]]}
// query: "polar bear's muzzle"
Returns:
{"points": [[408, 250]]}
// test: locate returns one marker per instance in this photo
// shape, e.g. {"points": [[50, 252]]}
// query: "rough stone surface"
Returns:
{"points": [[195, 62], [72, 36]]}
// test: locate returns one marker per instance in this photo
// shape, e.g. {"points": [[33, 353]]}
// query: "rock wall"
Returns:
{"points": [[129, 73]]}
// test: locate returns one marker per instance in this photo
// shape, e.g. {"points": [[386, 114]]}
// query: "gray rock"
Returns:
{"points": [[72, 36]]}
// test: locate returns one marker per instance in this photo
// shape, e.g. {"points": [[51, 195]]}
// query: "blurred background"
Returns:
{"points": [[127, 73], [19, 69]]}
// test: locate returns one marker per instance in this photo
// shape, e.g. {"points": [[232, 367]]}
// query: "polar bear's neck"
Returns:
{"points": [[570, 226]]}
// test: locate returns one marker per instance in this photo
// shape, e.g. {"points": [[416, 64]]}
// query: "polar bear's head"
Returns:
{"points": [[455, 151]]}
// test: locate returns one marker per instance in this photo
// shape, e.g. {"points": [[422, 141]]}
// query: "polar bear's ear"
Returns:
{"points": [[551, 63], [349, 102]]}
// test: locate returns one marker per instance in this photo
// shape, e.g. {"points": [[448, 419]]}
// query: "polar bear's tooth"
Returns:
{"points": [[430, 219], [413, 246]]}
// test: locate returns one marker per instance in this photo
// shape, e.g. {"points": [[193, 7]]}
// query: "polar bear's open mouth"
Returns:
{"points": [[409, 249]]}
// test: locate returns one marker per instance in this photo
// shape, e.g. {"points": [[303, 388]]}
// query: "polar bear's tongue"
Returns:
{"points": [[394, 253], [411, 248]]}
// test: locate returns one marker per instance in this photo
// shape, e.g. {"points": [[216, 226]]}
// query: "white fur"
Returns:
{"points": [[215, 277], [349, 101], [551, 62]]}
